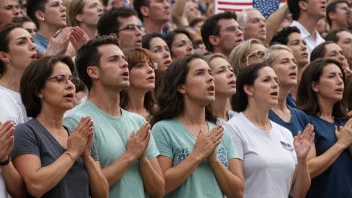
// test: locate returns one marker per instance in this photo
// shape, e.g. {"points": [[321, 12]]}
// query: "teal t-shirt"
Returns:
{"points": [[110, 136], [176, 142]]}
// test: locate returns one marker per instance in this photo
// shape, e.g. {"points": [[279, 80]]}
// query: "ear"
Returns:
{"points": [[214, 40], [114, 35], [331, 15], [315, 87], [145, 11], [39, 15], [79, 18], [3, 57], [248, 90], [93, 72], [302, 5], [181, 89]]}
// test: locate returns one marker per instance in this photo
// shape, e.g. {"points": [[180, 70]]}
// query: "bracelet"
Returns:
{"points": [[70, 155], [6, 162]]}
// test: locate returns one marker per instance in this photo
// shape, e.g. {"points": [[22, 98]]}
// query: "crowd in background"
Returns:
{"points": [[165, 98]]}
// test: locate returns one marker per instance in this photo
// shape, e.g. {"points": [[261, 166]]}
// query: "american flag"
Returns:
{"points": [[266, 7]]}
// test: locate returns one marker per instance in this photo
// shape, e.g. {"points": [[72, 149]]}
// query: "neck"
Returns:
{"points": [[51, 119], [310, 23], [151, 26], [107, 101], [47, 31], [219, 50], [193, 114], [11, 80], [257, 114], [136, 100], [326, 108], [281, 106], [219, 107], [91, 31], [336, 26]]}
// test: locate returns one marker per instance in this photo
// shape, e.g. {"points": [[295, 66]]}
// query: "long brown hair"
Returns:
{"points": [[133, 57], [170, 101]]}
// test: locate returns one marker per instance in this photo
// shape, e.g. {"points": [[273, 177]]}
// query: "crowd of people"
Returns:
{"points": [[165, 98]]}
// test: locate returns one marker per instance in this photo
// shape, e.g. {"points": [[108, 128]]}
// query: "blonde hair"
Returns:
{"points": [[238, 55], [272, 51], [75, 8]]}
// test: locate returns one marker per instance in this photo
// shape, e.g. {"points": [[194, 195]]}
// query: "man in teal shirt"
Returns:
{"points": [[126, 148]]}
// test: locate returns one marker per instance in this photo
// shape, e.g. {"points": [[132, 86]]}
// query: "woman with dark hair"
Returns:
{"points": [[330, 50], [155, 43], [281, 59], [274, 164], [196, 157], [85, 14], [139, 97], [225, 86], [180, 43], [320, 95], [63, 163]]}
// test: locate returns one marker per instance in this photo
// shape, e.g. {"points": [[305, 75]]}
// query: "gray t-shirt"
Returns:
{"points": [[32, 138]]}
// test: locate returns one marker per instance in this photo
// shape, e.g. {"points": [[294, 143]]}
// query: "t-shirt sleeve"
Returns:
{"points": [[230, 147], [236, 140], [26, 142], [162, 140]]}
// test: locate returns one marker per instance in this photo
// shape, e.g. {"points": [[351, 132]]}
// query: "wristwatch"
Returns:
{"points": [[6, 162]]}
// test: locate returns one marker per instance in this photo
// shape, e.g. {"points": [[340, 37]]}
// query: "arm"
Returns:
{"points": [[40, 180], [301, 177], [152, 176], [317, 165], [177, 175], [177, 13], [274, 21], [136, 145], [14, 181], [99, 187], [231, 180]]}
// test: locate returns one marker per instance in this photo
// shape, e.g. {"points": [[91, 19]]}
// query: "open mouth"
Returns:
{"points": [[151, 78], [239, 40], [125, 74], [293, 74], [34, 56], [211, 88], [274, 93], [339, 90], [69, 96], [168, 62]]}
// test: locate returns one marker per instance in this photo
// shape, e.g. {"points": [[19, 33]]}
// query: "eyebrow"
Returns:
{"points": [[21, 38]]}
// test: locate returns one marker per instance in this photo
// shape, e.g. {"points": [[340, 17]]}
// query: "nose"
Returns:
{"points": [[303, 46], [167, 5], [231, 74], [166, 54], [63, 8], [16, 11], [124, 63], [32, 46], [139, 31]]}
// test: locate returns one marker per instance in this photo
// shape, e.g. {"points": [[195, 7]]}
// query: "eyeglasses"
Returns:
{"points": [[256, 53], [63, 79], [132, 27], [234, 29]]}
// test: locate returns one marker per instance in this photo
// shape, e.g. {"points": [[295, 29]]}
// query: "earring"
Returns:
{"points": [[42, 19], [41, 96]]}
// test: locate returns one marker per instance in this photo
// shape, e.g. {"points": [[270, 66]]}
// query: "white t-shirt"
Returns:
{"points": [[11, 106], [269, 157]]}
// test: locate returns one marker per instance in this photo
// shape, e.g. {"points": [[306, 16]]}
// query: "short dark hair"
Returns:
{"points": [[33, 6], [170, 37], [332, 8], [307, 99], [34, 78], [133, 57], [211, 27], [147, 38], [332, 35], [21, 20], [5, 31], [109, 21], [247, 76], [294, 8], [137, 6], [195, 21], [170, 101], [319, 51], [89, 55], [281, 37]]}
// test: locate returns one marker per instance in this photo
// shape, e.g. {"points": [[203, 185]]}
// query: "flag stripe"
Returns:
{"points": [[236, 5]]}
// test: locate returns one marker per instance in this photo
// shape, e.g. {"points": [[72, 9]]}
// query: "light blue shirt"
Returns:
{"points": [[41, 43]]}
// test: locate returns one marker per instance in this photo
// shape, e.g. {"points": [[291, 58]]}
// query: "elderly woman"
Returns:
{"points": [[248, 52], [55, 161]]}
